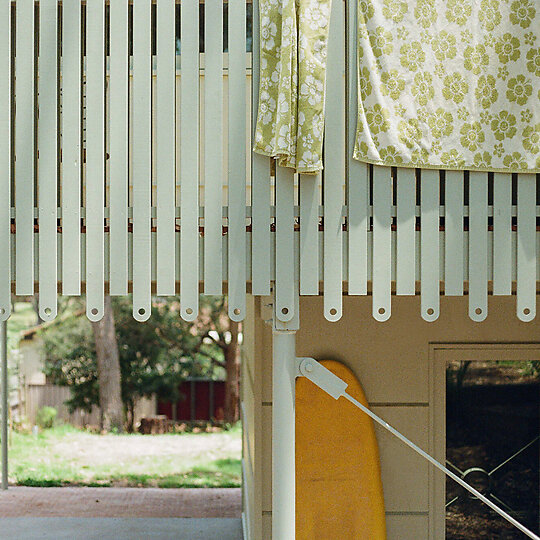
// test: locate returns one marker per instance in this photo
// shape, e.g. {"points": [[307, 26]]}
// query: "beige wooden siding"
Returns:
{"points": [[392, 361]]}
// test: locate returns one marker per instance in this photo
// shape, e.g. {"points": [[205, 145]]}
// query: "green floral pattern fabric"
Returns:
{"points": [[449, 84], [293, 46]]}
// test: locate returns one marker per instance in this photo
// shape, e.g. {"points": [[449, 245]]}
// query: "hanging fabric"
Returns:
{"points": [[293, 46], [452, 84]]}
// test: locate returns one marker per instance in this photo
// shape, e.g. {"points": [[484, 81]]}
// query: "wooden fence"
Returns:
{"points": [[36, 396]]}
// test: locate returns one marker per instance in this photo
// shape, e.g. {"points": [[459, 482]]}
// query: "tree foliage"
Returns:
{"points": [[155, 356]]}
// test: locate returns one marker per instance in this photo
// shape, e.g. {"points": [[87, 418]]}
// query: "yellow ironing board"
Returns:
{"points": [[339, 493]]}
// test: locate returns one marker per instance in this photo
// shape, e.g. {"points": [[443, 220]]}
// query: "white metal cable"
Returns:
{"points": [[334, 386]]}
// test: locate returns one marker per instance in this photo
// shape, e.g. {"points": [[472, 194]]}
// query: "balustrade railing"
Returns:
{"points": [[125, 166]]}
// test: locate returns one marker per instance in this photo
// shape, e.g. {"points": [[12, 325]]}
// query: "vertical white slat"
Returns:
{"points": [[119, 159], [453, 235], [165, 146], [71, 148], [358, 176], [334, 173], [357, 226], [429, 244], [260, 186], [502, 234], [213, 146], [24, 148], [309, 233], [382, 243], [237, 160], [142, 158], [95, 157], [478, 248], [5, 159], [285, 290], [406, 232], [48, 157], [526, 247], [189, 161]]}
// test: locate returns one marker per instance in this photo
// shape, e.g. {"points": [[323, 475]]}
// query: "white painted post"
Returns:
{"points": [[5, 159], [283, 426]]}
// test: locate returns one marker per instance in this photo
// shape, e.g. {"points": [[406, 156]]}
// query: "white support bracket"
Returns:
{"points": [[321, 377], [335, 387]]}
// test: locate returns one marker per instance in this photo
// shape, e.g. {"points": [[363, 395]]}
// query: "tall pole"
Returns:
{"points": [[283, 436], [4, 392], [284, 373]]}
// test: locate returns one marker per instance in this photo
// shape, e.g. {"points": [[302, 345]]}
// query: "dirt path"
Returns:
{"points": [[112, 448], [120, 502]]}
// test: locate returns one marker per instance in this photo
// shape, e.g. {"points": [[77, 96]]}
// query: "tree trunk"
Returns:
{"points": [[131, 416], [232, 384], [108, 364]]}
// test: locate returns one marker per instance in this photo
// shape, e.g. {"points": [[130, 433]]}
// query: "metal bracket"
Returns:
{"points": [[321, 377], [290, 326]]}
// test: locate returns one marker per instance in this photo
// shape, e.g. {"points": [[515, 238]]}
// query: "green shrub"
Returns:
{"points": [[45, 417]]}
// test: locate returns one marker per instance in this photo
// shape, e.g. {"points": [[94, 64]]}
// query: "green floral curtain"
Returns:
{"points": [[449, 84], [293, 45]]}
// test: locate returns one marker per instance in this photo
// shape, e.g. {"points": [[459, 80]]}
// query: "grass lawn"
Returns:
{"points": [[67, 456]]}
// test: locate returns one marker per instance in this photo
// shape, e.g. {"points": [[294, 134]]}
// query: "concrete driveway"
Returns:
{"points": [[120, 514], [120, 528]]}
